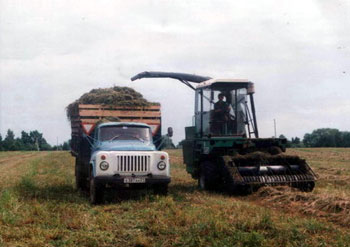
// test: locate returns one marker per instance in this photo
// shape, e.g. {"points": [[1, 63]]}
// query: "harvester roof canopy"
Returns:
{"points": [[230, 84]]}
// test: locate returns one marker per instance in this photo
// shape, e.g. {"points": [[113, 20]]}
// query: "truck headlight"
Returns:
{"points": [[161, 165], [104, 165]]}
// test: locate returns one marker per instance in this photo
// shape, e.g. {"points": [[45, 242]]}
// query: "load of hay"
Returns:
{"points": [[113, 96]]}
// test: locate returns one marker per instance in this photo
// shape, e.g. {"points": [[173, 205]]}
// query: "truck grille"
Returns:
{"points": [[133, 163]]}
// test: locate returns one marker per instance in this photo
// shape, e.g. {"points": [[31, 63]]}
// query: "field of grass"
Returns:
{"points": [[39, 206]]}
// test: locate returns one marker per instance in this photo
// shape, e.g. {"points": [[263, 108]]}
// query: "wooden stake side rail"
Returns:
{"points": [[108, 107], [77, 123], [91, 114], [118, 113]]}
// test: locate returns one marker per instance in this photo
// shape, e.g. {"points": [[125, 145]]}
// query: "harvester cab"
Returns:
{"points": [[222, 109], [223, 149]]}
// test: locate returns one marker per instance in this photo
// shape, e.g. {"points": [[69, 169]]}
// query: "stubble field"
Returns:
{"points": [[39, 206]]}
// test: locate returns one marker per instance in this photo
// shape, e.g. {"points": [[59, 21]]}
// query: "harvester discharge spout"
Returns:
{"points": [[182, 77], [173, 75]]}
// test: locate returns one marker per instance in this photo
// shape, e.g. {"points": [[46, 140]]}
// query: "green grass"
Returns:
{"points": [[42, 208]]}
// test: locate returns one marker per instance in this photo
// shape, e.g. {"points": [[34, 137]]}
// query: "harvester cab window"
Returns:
{"points": [[239, 103], [203, 107], [221, 112], [207, 105], [221, 115], [113, 133]]}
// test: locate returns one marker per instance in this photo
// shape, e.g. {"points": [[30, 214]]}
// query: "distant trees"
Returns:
{"points": [[296, 141], [327, 137], [33, 140], [64, 146], [1, 148], [9, 142]]}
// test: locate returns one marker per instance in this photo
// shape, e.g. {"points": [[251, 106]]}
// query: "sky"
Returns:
{"points": [[296, 52]]}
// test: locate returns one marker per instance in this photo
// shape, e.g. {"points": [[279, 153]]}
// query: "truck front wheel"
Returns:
{"points": [[96, 191], [160, 189]]}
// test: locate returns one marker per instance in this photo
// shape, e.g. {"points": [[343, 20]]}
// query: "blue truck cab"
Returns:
{"points": [[123, 155]]}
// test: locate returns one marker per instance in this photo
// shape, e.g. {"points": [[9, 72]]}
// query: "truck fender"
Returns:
{"points": [[92, 168]]}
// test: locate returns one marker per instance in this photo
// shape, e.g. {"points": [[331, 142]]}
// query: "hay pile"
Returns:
{"points": [[335, 208], [113, 96]]}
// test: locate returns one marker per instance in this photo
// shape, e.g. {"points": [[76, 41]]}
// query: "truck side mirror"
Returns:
{"points": [[170, 131]]}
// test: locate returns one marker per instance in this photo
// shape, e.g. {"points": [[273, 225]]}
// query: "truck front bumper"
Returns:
{"points": [[126, 180]]}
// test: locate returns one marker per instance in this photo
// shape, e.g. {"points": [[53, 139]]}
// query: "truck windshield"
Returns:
{"points": [[112, 133]]}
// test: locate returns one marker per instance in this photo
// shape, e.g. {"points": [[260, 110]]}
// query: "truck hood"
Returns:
{"points": [[124, 145]]}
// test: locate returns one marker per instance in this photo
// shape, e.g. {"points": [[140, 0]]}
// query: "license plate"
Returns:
{"points": [[134, 180]]}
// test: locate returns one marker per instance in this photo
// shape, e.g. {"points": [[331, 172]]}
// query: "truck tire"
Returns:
{"points": [[209, 176], [80, 182], [96, 191], [160, 189]]}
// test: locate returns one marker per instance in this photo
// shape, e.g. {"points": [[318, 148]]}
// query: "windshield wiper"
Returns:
{"points": [[136, 137], [115, 137], [139, 138]]}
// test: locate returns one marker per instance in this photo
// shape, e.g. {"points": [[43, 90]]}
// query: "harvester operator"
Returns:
{"points": [[221, 116], [221, 109]]}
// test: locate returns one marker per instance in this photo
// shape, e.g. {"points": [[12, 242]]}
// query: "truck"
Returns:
{"points": [[115, 147]]}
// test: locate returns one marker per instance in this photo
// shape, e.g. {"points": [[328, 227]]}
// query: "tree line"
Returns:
{"points": [[324, 137], [33, 140]]}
